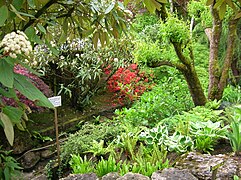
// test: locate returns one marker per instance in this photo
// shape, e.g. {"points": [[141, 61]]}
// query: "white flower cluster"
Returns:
{"points": [[16, 43]]}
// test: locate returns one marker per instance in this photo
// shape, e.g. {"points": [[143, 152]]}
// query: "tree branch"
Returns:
{"points": [[39, 13], [181, 57], [179, 66]]}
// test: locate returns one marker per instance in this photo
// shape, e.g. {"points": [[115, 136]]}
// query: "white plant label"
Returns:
{"points": [[56, 101]]}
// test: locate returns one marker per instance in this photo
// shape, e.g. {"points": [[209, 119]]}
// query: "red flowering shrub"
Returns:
{"points": [[39, 83], [128, 83]]}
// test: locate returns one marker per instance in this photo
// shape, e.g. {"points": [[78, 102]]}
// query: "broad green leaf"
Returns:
{"points": [[109, 9], [162, 1], [231, 4], [3, 14], [31, 3], [10, 93], [65, 26], [6, 73], [8, 127], [103, 38], [222, 10], [152, 5], [95, 39], [218, 3], [17, 4], [33, 37], [26, 88], [20, 127], [209, 2], [41, 28], [13, 113]]}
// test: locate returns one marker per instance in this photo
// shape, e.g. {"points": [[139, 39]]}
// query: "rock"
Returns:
{"points": [[172, 174], [30, 159], [200, 165], [46, 154], [111, 176], [89, 176], [133, 176]]}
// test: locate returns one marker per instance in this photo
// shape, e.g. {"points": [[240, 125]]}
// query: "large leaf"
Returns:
{"points": [[25, 87], [8, 127], [6, 73], [222, 11], [13, 113], [3, 14], [9, 93]]}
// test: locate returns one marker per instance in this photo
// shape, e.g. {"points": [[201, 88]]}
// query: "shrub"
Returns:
{"points": [[167, 98], [128, 83], [39, 83], [81, 141]]}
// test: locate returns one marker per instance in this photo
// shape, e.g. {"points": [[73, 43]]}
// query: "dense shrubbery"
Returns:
{"points": [[163, 101]]}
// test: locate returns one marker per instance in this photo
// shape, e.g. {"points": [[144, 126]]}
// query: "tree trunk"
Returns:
{"points": [[228, 59], [214, 69], [217, 76], [195, 87]]}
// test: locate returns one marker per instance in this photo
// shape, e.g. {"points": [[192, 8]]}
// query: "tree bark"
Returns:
{"points": [[214, 69], [195, 87], [218, 75], [229, 56]]}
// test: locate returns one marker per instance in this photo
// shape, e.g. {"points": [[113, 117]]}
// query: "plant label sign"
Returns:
{"points": [[56, 101]]}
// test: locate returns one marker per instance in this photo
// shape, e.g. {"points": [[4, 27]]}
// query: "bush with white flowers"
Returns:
{"points": [[16, 43]]}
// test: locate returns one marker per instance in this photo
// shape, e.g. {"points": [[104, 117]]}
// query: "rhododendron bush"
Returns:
{"points": [[17, 91], [128, 83], [34, 79]]}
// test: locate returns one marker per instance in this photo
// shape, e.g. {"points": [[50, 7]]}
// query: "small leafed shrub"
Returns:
{"points": [[128, 83], [82, 141]]}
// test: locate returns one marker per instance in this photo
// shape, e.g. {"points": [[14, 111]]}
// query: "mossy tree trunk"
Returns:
{"points": [[218, 74], [187, 68], [190, 75]]}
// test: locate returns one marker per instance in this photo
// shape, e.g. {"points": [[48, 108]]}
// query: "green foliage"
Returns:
{"points": [[82, 140], [104, 167], [166, 99], [232, 94], [200, 12], [175, 30], [98, 149], [188, 131], [143, 20], [206, 134], [234, 116], [148, 160], [80, 165], [9, 167], [145, 161], [128, 140], [146, 52], [160, 136]]}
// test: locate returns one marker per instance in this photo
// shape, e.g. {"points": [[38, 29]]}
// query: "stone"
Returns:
{"points": [[89, 176], [111, 176], [200, 165], [30, 159], [173, 174], [133, 176], [46, 154]]}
